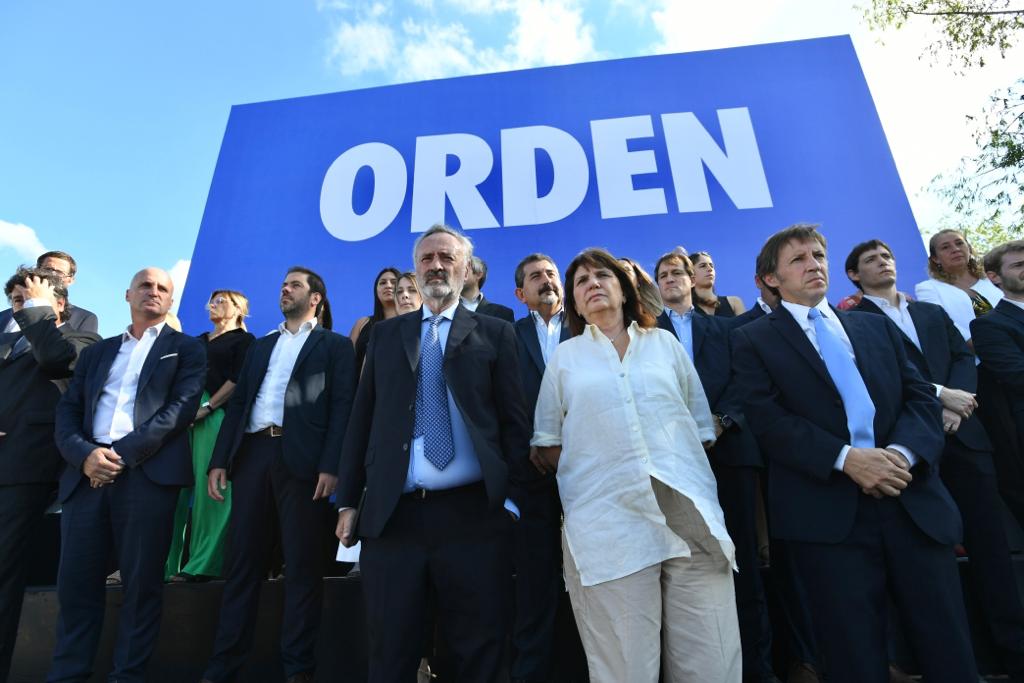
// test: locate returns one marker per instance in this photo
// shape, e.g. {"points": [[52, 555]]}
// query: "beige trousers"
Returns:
{"points": [[678, 616]]}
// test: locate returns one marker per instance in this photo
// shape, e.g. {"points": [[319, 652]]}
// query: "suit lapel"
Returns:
{"points": [[566, 332], [526, 328], [110, 348], [787, 326], [1011, 311], [858, 340], [930, 339], [698, 325], [409, 328], [315, 335], [462, 324], [160, 345], [665, 323]]}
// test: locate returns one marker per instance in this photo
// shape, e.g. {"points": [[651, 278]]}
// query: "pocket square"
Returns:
{"points": [[168, 355]]}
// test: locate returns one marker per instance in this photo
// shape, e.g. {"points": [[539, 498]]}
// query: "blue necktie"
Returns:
{"points": [[860, 409], [433, 421]]}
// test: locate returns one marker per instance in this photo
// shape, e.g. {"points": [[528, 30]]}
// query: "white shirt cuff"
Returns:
{"points": [[938, 390], [905, 452], [841, 460], [32, 303], [512, 507]]}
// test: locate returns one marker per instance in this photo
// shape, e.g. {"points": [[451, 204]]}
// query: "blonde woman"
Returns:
{"points": [[225, 346], [407, 294]]}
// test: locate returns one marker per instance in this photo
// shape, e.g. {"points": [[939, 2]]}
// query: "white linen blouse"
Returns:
{"points": [[956, 301], [620, 423]]}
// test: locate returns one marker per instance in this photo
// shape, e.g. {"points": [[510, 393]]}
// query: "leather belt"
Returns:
{"points": [[424, 494], [272, 431]]}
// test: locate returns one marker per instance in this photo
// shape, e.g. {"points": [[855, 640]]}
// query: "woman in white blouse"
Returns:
{"points": [[623, 419], [958, 281]]}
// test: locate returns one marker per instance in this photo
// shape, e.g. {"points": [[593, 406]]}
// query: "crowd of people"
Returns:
{"points": [[634, 440]]}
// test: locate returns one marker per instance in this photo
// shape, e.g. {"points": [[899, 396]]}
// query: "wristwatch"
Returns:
{"points": [[727, 422], [207, 406]]}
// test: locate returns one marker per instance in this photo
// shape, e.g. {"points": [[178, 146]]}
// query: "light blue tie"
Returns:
{"points": [[860, 409], [433, 421]]}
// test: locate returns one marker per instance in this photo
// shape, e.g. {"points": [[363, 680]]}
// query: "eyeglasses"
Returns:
{"points": [[218, 301]]}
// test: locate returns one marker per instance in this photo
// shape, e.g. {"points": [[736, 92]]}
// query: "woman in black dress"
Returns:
{"points": [[225, 350], [383, 308], [704, 295]]}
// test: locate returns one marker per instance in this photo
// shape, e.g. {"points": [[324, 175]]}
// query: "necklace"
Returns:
{"points": [[616, 337]]}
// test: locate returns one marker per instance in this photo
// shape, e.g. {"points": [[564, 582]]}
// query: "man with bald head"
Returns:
{"points": [[121, 428]]}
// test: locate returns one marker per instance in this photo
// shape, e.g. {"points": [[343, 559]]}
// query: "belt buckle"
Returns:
{"points": [[275, 431]]}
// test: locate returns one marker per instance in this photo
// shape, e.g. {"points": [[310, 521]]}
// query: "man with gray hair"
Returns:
{"points": [[473, 296], [437, 432]]}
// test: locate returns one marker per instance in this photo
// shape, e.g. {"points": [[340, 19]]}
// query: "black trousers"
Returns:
{"points": [[125, 525], [737, 491], [970, 479], [21, 509], [848, 583], [260, 481], [455, 547]]}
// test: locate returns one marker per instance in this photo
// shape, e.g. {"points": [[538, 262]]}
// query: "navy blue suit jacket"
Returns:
{"points": [[168, 395], [712, 359], [999, 342], [797, 415], [77, 319], [482, 373], [317, 403], [495, 310], [942, 359], [531, 360]]}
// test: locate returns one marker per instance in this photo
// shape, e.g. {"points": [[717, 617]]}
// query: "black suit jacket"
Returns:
{"points": [[999, 342], [531, 359], [166, 401], [797, 415], [78, 319], [317, 403], [712, 359], [942, 359], [32, 383], [748, 316], [486, 307], [482, 372]]}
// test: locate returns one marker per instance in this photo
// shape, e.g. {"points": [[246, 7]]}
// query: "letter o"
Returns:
{"points": [[390, 181]]}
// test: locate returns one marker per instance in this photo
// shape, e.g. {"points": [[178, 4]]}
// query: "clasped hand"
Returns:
{"points": [[878, 471], [102, 466]]}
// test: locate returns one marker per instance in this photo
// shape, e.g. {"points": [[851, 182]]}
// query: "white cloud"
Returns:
{"points": [[21, 239], [179, 274], [367, 45], [543, 32]]}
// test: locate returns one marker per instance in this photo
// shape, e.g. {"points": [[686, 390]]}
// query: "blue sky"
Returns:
{"points": [[112, 112]]}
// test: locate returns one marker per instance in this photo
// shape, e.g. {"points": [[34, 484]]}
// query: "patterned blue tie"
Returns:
{"points": [[433, 421], [860, 409]]}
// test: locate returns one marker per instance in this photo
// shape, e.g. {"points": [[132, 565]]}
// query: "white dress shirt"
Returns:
{"points": [[800, 312], [901, 316], [472, 304], [268, 407], [114, 417], [549, 333], [619, 423]]}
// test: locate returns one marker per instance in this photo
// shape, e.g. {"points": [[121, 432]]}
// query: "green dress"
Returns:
{"points": [[199, 519]]}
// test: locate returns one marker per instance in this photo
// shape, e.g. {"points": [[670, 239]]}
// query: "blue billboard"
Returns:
{"points": [[710, 150]]}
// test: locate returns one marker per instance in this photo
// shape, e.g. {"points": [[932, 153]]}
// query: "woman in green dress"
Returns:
{"points": [[207, 525]]}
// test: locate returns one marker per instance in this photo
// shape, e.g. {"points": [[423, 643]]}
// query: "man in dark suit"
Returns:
{"points": [[998, 339], [63, 264], [537, 552], [854, 436], [121, 428], [765, 304], [938, 351], [35, 363], [437, 431], [735, 458], [282, 434], [473, 298]]}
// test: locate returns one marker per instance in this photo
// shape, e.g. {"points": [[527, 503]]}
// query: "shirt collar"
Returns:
{"points": [[882, 302], [597, 334], [685, 316], [153, 331], [303, 328], [537, 317], [1018, 304], [447, 313], [478, 298], [764, 307], [800, 311]]}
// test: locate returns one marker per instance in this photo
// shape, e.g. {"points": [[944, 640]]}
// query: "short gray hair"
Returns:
{"points": [[467, 244]]}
